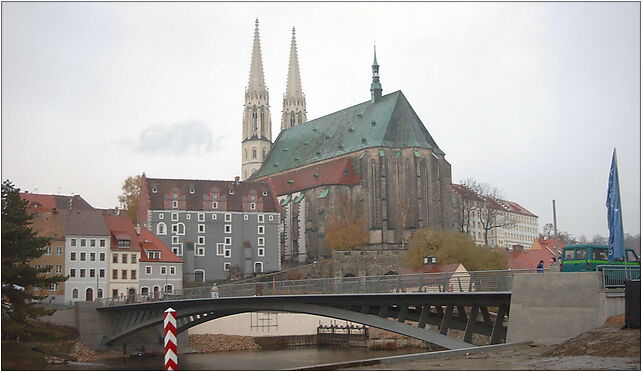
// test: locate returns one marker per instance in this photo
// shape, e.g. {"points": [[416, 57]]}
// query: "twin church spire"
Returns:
{"points": [[257, 122]]}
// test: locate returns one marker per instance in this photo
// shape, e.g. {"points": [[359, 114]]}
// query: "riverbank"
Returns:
{"points": [[605, 348]]}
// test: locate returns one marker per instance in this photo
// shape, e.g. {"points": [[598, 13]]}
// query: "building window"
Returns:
{"points": [[228, 253], [163, 270], [252, 206], [133, 276], [83, 256], [219, 249], [92, 273], [228, 229], [199, 275], [124, 259], [72, 273], [201, 228], [161, 229], [114, 293], [102, 256], [73, 242], [261, 230], [201, 240], [178, 228], [271, 218], [102, 243], [178, 250], [53, 287], [124, 244], [174, 216], [213, 216], [228, 240], [154, 255], [169, 289], [253, 152], [92, 242], [47, 251], [100, 293], [74, 293], [174, 239], [261, 241], [228, 217], [83, 242], [215, 206], [261, 252], [226, 266], [201, 217], [258, 267], [174, 204], [59, 251], [58, 269], [92, 256], [188, 216], [124, 274], [246, 217], [134, 259], [82, 273], [101, 273], [260, 218], [172, 270], [161, 216], [148, 270], [200, 251]]}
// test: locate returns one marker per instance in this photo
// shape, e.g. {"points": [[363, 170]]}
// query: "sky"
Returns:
{"points": [[530, 98]]}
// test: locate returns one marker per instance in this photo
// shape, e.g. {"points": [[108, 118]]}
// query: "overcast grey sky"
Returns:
{"points": [[528, 97]]}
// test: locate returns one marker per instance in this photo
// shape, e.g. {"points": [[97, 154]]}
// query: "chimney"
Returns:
{"points": [[137, 229], [237, 180]]}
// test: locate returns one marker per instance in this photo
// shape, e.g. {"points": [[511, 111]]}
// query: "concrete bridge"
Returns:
{"points": [[479, 303]]}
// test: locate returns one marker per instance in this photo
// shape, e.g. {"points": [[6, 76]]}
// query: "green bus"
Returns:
{"points": [[587, 257]]}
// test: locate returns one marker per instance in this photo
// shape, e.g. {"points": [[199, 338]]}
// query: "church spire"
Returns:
{"points": [[257, 82], [294, 110], [257, 124], [375, 86]]}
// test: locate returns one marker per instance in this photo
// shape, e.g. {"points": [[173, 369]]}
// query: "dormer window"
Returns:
{"points": [[174, 203], [192, 190], [231, 192], [124, 243], [264, 193], [154, 190], [214, 205], [252, 206], [154, 255], [252, 197]]}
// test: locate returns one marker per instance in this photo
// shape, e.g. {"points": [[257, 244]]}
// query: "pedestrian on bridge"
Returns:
{"points": [[540, 266]]}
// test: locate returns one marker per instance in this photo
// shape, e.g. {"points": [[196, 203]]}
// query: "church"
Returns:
{"points": [[375, 157]]}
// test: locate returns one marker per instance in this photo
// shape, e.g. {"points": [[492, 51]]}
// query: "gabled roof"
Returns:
{"points": [[465, 193], [40, 202], [149, 242], [49, 202], [157, 189], [390, 122], [334, 172], [122, 228]]}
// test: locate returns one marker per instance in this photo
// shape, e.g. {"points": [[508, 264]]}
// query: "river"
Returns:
{"points": [[243, 360]]}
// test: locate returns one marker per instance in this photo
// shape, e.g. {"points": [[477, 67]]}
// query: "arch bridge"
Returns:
{"points": [[471, 302]]}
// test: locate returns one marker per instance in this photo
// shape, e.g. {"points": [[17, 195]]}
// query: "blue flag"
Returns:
{"points": [[616, 234]]}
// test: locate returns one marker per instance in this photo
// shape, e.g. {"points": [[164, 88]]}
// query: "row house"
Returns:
{"points": [[161, 271], [220, 229]]}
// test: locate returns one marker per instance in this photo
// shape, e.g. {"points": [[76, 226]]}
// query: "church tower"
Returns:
{"points": [[257, 124], [294, 112]]}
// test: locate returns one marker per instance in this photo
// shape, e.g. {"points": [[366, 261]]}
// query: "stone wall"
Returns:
{"points": [[366, 262]]}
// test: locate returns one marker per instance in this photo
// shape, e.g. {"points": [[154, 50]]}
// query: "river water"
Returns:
{"points": [[244, 360]]}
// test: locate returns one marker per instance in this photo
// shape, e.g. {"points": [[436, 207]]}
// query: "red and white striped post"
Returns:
{"points": [[171, 347]]}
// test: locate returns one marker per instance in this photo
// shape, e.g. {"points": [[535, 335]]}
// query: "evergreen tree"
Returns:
{"points": [[20, 244]]}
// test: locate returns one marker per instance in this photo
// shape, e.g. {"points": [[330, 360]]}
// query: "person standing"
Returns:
{"points": [[540, 266]]}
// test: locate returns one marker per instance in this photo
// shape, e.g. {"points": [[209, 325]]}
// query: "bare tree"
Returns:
{"points": [[492, 214], [466, 203]]}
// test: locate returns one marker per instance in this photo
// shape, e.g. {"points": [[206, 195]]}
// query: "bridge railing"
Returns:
{"points": [[472, 281], [614, 276]]}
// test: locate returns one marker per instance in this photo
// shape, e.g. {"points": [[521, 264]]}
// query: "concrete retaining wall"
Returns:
{"points": [[552, 307]]}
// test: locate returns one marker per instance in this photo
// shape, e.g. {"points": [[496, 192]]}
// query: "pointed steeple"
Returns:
{"points": [[375, 86], [257, 82], [257, 123], [294, 110]]}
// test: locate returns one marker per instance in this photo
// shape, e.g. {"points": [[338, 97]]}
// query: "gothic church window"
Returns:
{"points": [[254, 119], [263, 153], [253, 152]]}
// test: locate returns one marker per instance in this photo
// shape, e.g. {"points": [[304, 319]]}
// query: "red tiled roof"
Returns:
{"points": [[516, 208], [529, 259], [465, 193], [335, 172], [550, 244], [39, 201], [149, 241], [122, 228]]}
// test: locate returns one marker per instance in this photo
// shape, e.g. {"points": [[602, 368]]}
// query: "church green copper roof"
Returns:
{"points": [[390, 122]]}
